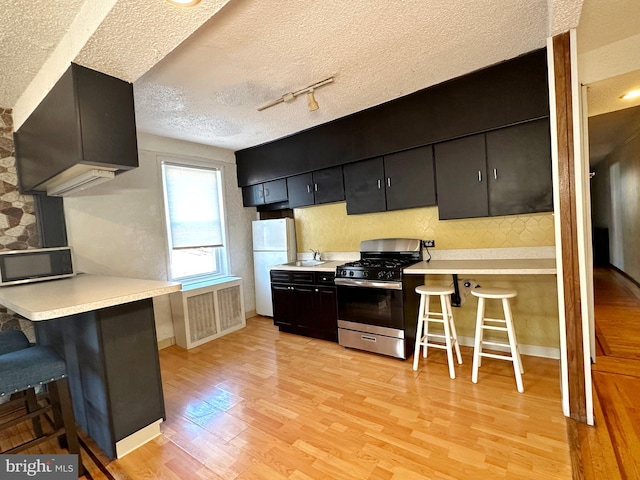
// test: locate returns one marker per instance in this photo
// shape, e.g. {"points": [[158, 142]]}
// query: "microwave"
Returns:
{"points": [[26, 266]]}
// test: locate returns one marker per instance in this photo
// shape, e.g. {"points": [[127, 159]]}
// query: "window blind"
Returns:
{"points": [[193, 204]]}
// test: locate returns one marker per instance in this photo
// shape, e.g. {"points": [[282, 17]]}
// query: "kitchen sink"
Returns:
{"points": [[306, 263]]}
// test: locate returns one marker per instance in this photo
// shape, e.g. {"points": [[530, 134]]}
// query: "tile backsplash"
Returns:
{"points": [[328, 228], [18, 228]]}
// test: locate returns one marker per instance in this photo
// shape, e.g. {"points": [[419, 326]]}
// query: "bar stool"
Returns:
{"points": [[22, 367], [496, 324], [445, 317]]}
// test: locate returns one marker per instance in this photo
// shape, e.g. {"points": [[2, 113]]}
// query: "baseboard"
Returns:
{"points": [[625, 275], [137, 439], [532, 350], [250, 314], [167, 342]]}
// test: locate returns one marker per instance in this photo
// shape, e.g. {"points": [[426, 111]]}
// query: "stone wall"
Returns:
{"points": [[18, 230]]}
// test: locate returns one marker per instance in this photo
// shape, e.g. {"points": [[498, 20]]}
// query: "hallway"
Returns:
{"points": [[612, 449]]}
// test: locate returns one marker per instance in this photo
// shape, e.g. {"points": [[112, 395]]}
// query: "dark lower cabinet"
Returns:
{"points": [[393, 182], [501, 172], [304, 303]]}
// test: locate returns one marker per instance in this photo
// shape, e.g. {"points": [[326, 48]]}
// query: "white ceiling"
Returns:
{"points": [[206, 86]]}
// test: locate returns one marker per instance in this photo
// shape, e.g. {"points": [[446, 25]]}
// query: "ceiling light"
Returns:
{"points": [[313, 105], [289, 97], [184, 3], [630, 95]]}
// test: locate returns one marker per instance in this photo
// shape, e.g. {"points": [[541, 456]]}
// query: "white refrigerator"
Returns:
{"points": [[274, 243]]}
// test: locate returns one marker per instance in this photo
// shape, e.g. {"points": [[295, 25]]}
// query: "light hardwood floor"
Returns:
{"points": [[611, 449], [260, 404]]}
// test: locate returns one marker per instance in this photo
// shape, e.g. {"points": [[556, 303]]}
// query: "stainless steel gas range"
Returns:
{"points": [[377, 304]]}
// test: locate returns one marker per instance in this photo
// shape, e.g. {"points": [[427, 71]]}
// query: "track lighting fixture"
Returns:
{"points": [[289, 97]]}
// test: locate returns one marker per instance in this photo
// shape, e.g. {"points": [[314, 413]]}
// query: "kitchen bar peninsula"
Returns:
{"points": [[104, 328], [496, 266]]}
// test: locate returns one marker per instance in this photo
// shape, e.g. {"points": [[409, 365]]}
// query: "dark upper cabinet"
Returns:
{"points": [[364, 186], [461, 178], [86, 119], [321, 186], [502, 172], [519, 169], [393, 182], [265, 193], [500, 95], [409, 179]]}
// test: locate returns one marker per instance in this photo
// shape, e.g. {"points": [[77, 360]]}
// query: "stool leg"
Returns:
{"points": [[477, 346], [61, 398], [419, 333], [427, 305], [32, 406], [454, 335], [515, 354], [447, 335]]}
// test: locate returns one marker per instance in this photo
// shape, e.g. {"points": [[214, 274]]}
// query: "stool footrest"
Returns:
{"points": [[36, 441], [496, 356], [494, 328], [29, 416], [496, 344], [436, 345]]}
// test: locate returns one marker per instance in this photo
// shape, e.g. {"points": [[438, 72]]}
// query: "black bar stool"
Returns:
{"points": [[22, 368]]}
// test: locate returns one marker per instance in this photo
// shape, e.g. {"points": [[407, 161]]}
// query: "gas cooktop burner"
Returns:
{"points": [[378, 263]]}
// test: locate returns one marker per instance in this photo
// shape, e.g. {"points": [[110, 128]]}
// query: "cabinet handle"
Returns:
{"points": [[379, 184], [495, 173], [388, 181], [479, 175], [315, 187], [308, 188], [266, 192]]}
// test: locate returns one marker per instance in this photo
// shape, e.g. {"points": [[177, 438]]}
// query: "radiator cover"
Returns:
{"points": [[203, 313]]}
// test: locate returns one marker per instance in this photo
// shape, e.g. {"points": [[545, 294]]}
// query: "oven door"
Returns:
{"points": [[370, 303]]}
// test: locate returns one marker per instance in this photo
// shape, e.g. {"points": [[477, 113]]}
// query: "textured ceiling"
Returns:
{"points": [[199, 74]]}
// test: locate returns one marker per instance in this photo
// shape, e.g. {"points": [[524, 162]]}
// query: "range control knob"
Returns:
{"points": [[351, 273], [381, 275], [365, 274]]}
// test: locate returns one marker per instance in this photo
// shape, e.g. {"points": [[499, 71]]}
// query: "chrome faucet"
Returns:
{"points": [[316, 254]]}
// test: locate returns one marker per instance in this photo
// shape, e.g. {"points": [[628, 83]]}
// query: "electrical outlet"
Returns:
{"points": [[429, 243]]}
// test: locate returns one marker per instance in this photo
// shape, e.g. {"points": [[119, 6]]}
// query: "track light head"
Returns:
{"points": [[313, 105]]}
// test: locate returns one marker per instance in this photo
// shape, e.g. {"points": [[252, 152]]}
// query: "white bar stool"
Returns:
{"points": [[496, 324], [445, 317]]}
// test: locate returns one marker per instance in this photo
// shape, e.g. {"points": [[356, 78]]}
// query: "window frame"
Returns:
{"points": [[221, 253]]}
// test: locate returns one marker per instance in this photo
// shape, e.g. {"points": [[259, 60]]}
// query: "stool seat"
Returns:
{"points": [[485, 292], [28, 367], [446, 338], [434, 290]]}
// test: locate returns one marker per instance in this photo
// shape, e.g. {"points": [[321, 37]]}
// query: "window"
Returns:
{"points": [[195, 221]]}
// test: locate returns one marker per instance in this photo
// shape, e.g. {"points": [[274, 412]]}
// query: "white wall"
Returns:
{"points": [[118, 229]]}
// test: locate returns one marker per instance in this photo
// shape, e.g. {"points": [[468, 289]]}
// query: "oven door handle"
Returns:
{"points": [[348, 282]]}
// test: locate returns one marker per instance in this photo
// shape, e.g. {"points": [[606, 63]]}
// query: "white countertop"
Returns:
{"points": [[82, 293], [328, 266], [519, 266]]}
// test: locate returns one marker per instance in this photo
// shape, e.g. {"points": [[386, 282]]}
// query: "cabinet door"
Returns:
{"points": [[328, 185], [252, 195], [275, 191], [303, 312], [300, 189], [282, 309], [519, 169], [461, 178], [409, 179], [325, 311], [364, 187]]}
